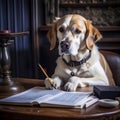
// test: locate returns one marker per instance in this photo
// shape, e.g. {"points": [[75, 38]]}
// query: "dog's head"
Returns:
{"points": [[73, 33]]}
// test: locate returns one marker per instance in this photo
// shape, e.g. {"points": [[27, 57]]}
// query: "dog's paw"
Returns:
{"points": [[55, 83], [73, 83], [48, 84], [69, 86]]}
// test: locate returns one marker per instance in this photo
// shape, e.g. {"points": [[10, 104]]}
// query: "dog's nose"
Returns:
{"points": [[64, 46]]}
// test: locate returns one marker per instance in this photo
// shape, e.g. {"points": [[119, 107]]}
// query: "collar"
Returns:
{"points": [[72, 63]]}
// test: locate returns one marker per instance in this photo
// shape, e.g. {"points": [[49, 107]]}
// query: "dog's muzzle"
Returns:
{"points": [[65, 46]]}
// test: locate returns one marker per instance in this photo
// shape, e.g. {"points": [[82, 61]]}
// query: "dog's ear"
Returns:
{"points": [[92, 35], [52, 36]]}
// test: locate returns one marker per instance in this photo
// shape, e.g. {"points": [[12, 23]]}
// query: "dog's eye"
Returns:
{"points": [[77, 31], [61, 29]]}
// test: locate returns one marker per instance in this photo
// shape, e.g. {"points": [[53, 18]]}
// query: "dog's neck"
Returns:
{"points": [[81, 58], [74, 61]]}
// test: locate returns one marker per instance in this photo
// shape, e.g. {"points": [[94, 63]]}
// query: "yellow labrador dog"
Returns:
{"points": [[79, 62]]}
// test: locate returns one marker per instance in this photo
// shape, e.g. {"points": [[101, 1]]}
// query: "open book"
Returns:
{"points": [[51, 98]]}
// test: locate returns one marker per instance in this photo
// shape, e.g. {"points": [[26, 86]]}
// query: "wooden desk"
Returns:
{"points": [[36, 113]]}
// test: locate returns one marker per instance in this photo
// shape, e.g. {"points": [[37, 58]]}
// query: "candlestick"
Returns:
{"points": [[7, 85]]}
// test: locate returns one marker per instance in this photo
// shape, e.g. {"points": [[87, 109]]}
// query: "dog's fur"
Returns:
{"points": [[76, 36]]}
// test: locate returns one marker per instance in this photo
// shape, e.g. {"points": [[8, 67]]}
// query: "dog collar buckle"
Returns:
{"points": [[72, 64]]}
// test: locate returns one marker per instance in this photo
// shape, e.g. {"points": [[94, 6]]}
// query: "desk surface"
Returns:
{"points": [[93, 112]]}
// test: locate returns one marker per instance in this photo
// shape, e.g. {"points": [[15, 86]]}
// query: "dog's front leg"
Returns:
{"points": [[56, 82], [73, 83]]}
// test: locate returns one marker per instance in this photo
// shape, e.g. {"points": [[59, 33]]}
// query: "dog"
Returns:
{"points": [[78, 64]]}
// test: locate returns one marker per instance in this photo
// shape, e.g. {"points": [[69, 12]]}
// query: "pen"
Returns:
{"points": [[50, 80]]}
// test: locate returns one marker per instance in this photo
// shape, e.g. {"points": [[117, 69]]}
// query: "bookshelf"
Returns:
{"points": [[103, 14]]}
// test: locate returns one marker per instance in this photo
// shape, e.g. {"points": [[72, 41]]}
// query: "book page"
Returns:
{"points": [[91, 101], [51, 97], [31, 95], [68, 98]]}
